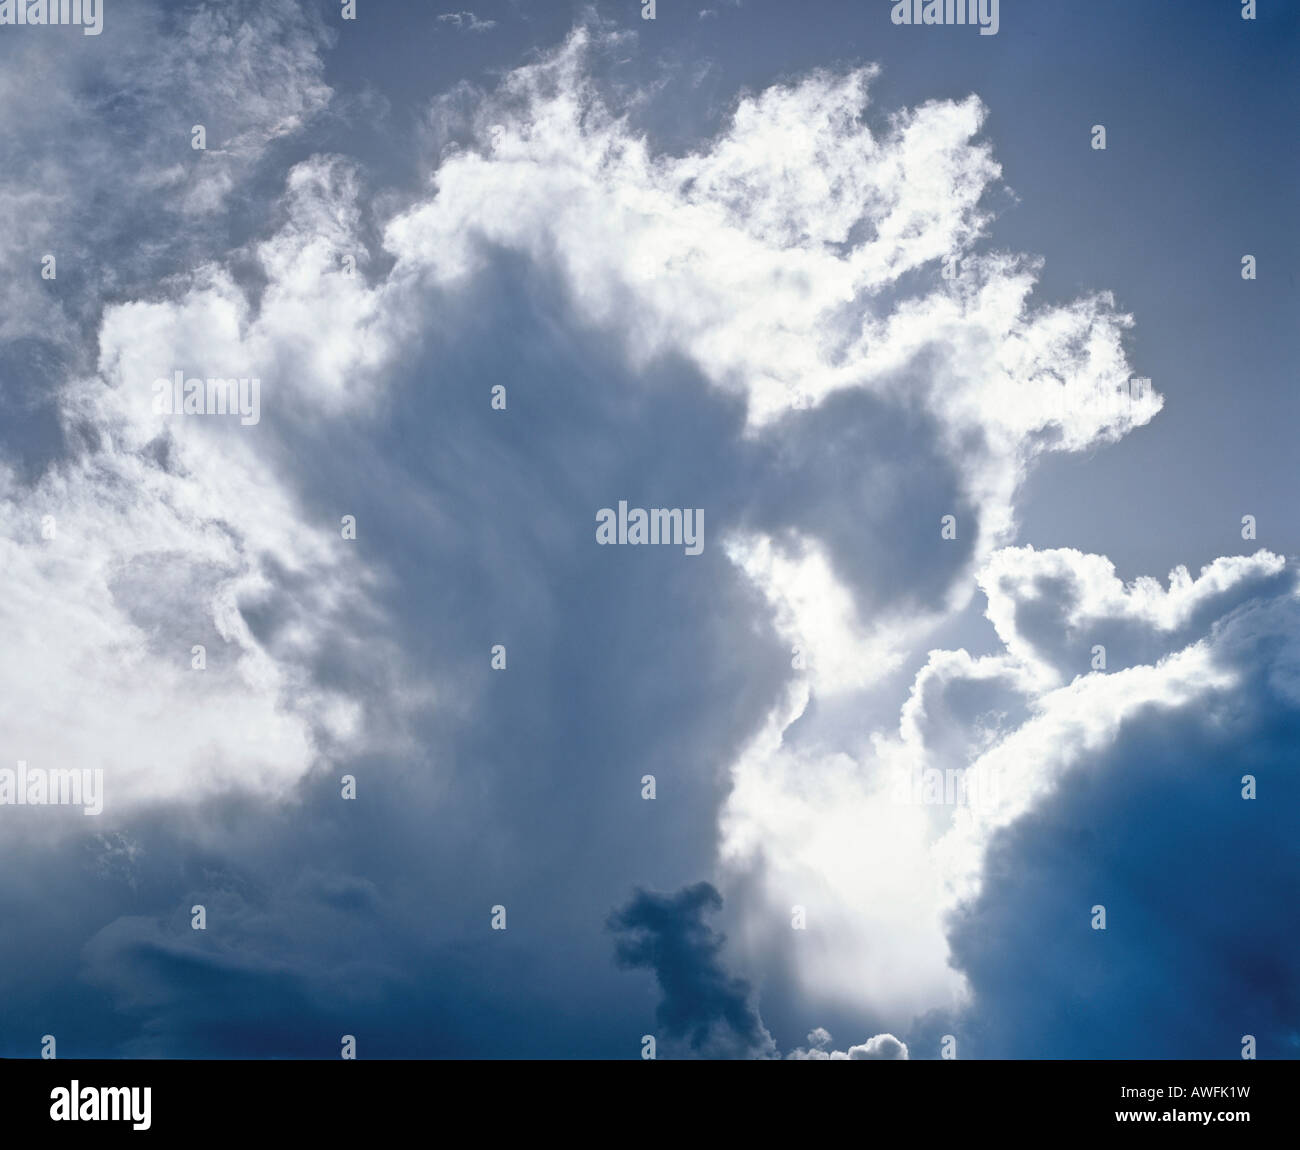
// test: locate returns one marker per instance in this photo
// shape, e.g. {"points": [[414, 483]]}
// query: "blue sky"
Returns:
{"points": [[703, 255]]}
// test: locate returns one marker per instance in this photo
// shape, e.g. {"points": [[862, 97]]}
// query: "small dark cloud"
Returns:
{"points": [[703, 1006]]}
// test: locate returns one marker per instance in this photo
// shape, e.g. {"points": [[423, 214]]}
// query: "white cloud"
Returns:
{"points": [[1086, 593], [880, 873], [816, 615], [882, 1046], [783, 289], [251, 74], [171, 528], [466, 22]]}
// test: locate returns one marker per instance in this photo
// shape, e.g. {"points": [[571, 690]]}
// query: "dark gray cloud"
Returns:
{"points": [[705, 1009], [1197, 883]]}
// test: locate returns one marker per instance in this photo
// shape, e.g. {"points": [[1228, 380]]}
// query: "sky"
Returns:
{"points": [[958, 720]]}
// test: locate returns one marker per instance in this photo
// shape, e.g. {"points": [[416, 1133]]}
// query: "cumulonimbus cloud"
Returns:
{"points": [[876, 397]]}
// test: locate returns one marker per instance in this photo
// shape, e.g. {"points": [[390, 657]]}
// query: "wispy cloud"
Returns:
{"points": [[466, 22]]}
